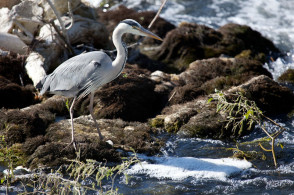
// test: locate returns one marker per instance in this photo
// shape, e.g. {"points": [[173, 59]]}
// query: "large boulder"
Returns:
{"points": [[190, 42], [287, 76], [198, 118], [269, 96], [9, 3], [131, 97], [204, 76]]}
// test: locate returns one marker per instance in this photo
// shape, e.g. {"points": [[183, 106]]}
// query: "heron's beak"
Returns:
{"points": [[149, 34]]}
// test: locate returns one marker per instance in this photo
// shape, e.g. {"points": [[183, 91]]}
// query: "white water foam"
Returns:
{"points": [[180, 168], [279, 66]]}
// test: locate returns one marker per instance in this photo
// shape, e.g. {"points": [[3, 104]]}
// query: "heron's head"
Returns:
{"points": [[131, 26]]}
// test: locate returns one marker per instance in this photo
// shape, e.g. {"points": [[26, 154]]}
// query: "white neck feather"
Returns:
{"points": [[119, 61]]}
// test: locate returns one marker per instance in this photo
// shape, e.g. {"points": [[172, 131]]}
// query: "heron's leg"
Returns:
{"points": [[91, 112], [71, 111]]}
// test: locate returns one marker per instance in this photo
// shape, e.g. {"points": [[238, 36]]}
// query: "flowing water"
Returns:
{"points": [[197, 166]]}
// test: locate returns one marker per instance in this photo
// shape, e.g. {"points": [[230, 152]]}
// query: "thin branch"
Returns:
{"points": [[60, 22], [263, 148], [273, 152], [279, 132], [157, 14], [265, 131], [70, 14]]}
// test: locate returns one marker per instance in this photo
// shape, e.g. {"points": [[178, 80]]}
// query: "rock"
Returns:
{"points": [[113, 17], [13, 95], [9, 3], [124, 135], [5, 21], [60, 5], [177, 115], [269, 96], [287, 76], [130, 97], [21, 124], [26, 20], [186, 44], [204, 76], [55, 154], [198, 118], [11, 67], [190, 42], [12, 43], [239, 38]]}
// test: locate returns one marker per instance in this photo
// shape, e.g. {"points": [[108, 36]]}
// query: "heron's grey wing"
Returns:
{"points": [[74, 74]]}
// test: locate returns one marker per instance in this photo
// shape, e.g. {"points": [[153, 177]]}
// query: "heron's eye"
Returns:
{"points": [[135, 27]]}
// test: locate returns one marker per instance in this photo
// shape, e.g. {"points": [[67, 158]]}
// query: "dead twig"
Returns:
{"points": [[63, 29], [157, 14]]}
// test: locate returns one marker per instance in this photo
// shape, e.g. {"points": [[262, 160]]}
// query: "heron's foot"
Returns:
{"points": [[72, 143], [101, 137]]}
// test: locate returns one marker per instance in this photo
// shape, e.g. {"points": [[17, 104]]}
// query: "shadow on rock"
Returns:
{"points": [[131, 97]]}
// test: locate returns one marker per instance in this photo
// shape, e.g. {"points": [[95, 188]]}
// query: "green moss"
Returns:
{"points": [[12, 156], [249, 54], [157, 122], [173, 128], [244, 54], [211, 52], [287, 76]]}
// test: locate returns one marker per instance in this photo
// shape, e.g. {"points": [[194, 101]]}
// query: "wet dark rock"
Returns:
{"points": [[12, 68], [57, 147], [12, 77], [113, 17], [198, 118], [31, 144], [287, 76], [55, 154], [186, 44], [239, 38], [269, 96], [19, 125], [190, 42], [204, 76], [14, 96], [130, 97]]}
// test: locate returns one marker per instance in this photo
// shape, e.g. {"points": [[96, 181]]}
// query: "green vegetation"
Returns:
{"points": [[242, 112], [77, 178], [80, 178]]}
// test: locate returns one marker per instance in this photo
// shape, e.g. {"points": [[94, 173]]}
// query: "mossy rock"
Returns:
{"points": [[173, 127], [287, 76], [261, 57], [190, 42], [157, 122]]}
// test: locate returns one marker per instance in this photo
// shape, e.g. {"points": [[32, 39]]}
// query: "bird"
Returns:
{"points": [[83, 74]]}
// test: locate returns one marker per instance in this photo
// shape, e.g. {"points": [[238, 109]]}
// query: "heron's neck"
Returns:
{"points": [[121, 57]]}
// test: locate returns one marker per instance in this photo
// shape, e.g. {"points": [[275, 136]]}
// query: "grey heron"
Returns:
{"points": [[85, 73]]}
